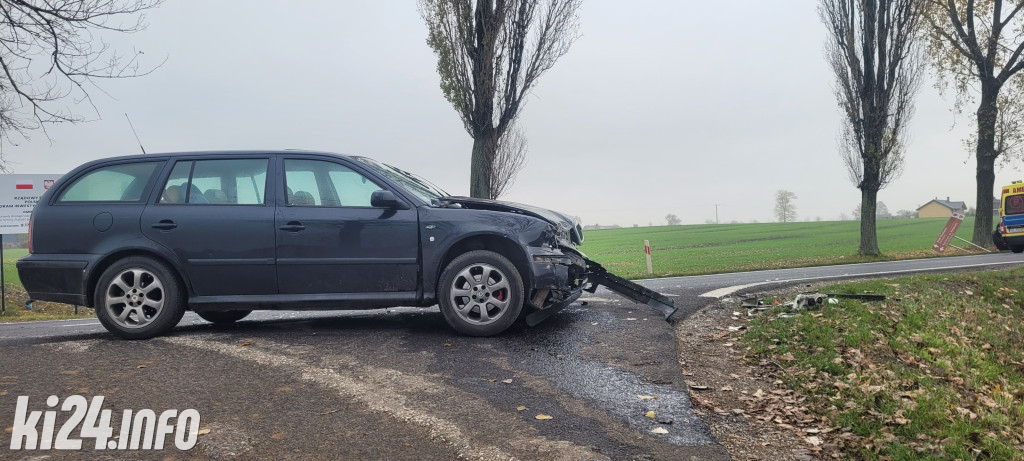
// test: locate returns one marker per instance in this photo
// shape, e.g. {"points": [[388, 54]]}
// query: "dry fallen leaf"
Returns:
{"points": [[204, 431], [726, 388], [542, 416], [507, 381], [697, 387], [521, 408], [759, 393], [246, 343], [649, 414], [814, 440], [646, 397], [141, 366], [659, 430], [787, 357]]}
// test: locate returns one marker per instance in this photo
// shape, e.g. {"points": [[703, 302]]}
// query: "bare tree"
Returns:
{"points": [[509, 160], [490, 54], [49, 51], [872, 50], [673, 220], [785, 209], [977, 47]]}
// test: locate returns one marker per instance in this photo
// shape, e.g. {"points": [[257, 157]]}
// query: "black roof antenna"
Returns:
{"points": [[133, 132]]}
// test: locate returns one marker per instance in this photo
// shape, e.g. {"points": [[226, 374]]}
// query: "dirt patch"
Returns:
{"points": [[749, 410]]}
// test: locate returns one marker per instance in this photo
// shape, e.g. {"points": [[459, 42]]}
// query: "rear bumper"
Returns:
{"points": [[56, 278], [1006, 242]]}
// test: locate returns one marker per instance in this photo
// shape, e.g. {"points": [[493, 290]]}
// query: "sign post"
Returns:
{"points": [[948, 232], [18, 196]]}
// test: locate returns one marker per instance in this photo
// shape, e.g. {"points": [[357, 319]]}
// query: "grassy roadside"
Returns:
{"points": [[934, 372]]}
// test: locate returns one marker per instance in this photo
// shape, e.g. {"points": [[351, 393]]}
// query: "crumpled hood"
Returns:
{"points": [[565, 223]]}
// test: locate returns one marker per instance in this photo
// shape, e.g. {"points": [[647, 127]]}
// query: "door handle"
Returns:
{"points": [[164, 224], [292, 226]]}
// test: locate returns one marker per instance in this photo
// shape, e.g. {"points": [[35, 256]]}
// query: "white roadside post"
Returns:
{"points": [[647, 249]]}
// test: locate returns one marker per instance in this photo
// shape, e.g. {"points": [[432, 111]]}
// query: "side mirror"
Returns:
{"points": [[386, 199]]}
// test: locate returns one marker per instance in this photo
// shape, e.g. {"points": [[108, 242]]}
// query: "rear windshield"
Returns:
{"points": [[1013, 204]]}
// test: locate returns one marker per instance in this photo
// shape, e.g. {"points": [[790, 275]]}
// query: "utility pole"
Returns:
{"points": [[716, 214]]}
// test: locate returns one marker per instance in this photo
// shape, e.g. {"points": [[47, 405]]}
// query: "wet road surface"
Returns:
{"points": [[397, 383]]}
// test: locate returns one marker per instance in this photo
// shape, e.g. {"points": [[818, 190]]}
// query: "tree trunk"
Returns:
{"points": [[868, 233], [479, 165], [986, 155]]}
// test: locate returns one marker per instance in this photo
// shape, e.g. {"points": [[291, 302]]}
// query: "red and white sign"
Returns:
{"points": [[18, 195], [948, 232]]}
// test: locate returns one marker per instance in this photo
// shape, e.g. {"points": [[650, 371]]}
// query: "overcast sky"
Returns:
{"points": [[660, 106]]}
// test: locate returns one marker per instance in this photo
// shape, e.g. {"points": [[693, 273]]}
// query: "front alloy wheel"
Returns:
{"points": [[481, 293]]}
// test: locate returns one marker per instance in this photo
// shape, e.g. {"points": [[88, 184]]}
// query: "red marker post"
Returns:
{"points": [[647, 249]]}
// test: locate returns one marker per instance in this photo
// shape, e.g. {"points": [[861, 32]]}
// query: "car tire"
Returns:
{"points": [[1017, 249], [138, 298], [224, 317], [481, 293]]}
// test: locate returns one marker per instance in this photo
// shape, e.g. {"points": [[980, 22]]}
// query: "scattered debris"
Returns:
{"points": [[542, 416], [803, 301], [659, 430]]}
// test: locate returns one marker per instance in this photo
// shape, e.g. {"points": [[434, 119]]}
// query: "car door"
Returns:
{"points": [[213, 214], [331, 240]]}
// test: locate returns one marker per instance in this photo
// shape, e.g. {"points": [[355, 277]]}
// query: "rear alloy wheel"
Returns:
{"points": [[224, 317], [481, 293], [138, 298]]}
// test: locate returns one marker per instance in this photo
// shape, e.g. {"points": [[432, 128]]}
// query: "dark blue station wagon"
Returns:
{"points": [[144, 238]]}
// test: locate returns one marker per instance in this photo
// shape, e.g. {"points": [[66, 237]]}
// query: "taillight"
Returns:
{"points": [[30, 220], [1002, 227]]}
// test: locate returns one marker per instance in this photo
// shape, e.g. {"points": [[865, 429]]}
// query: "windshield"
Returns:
{"points": [[418, 186]]}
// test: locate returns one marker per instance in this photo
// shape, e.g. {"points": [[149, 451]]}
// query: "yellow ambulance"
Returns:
{"points": [[1009, 233]]}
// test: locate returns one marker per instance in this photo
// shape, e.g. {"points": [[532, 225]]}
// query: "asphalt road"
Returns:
{"points": [[398, 383]]}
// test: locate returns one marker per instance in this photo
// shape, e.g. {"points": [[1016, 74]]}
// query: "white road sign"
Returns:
{"points": [[18, 195]]}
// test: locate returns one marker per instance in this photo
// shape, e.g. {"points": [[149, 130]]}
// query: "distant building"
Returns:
{"points": [[937, 208]]}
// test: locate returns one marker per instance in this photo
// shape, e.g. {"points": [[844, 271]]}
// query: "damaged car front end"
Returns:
{"points": [[560, 272]]}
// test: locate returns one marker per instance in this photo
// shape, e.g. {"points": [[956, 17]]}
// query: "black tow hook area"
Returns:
{"points": [[598, 275]]}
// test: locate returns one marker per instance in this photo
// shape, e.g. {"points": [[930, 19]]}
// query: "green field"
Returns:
{"points": [[716, 248]]}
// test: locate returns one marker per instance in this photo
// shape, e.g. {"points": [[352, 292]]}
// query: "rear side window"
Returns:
{"points": [[114, 183], [217, 182], [1013, 204]]}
